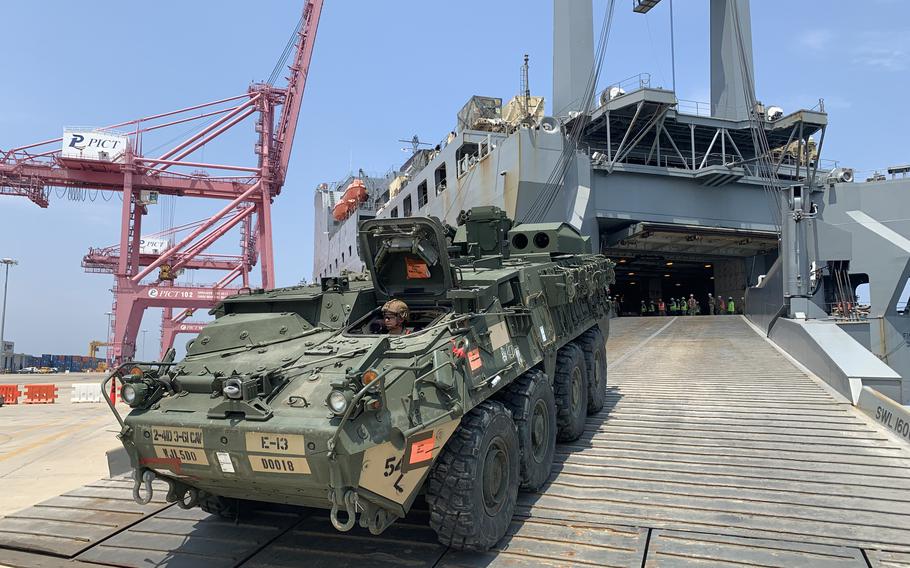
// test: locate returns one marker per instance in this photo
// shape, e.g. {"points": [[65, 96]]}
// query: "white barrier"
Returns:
{"points": [[86, 392]]}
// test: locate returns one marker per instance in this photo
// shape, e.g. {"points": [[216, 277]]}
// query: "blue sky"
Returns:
{"points": [[381, 71]]}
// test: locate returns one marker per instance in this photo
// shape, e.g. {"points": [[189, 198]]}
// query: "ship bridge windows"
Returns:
{"points": [[440, 177], [406, 206], [422, 196], [466, 156], [394, 213]]}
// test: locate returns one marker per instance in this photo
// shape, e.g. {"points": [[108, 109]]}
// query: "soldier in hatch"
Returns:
{"points": [[394, 315]]}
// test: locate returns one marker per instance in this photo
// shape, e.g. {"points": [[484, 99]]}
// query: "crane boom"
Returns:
{"points": [[34, 170], [287, 124]]}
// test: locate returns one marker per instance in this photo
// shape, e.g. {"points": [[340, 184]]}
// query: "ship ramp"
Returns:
{"points": [[714, 450]]}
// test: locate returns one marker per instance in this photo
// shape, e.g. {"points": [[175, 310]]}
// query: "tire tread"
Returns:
{"points": [[452, 481]]}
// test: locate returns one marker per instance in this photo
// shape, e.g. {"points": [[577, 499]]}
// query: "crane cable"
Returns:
{"points": [[288, 48], [547, 197], [765, 166]]}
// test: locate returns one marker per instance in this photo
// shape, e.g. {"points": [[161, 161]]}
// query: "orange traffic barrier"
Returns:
{"points": [[40, 394], [10, 394]]}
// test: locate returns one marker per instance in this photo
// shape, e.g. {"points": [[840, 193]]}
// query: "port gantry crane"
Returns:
{"points": [[32, 170]]}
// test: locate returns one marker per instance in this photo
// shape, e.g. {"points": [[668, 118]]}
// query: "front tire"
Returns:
{"points": [[571, 390], [473, 486], [594, 347], [530, 398]]}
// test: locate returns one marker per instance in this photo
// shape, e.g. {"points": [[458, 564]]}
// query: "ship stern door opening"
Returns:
{"points": [[655, 263]]}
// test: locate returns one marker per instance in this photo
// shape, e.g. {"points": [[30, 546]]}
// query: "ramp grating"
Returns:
{"points": [[66, 525]]}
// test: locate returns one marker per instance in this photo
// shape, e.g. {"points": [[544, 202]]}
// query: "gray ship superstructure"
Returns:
{"points": [[494, 155]]}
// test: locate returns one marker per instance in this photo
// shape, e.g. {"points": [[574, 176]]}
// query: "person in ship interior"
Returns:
{"points": [[395, 314]]}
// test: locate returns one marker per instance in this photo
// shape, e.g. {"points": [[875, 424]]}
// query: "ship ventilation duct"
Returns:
{"points": [[550, 125]]}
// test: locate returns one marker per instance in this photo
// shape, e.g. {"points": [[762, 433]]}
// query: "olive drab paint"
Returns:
{"points": [[298, 396]]}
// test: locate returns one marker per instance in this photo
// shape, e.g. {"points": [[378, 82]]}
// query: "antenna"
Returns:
{"points": [[525, 88], [415, 144]]}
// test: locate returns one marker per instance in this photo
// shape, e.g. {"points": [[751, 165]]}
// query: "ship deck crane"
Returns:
{"points": [[31, 170]]}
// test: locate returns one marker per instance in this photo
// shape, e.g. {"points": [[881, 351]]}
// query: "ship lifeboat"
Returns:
{"points": [[354, 195]]}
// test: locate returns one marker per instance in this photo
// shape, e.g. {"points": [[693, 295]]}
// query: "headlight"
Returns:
{"points": [[134, 394], [338, 401], [128, 394], [233, 388]]}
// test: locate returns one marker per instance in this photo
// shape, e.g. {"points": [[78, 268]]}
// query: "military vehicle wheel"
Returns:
{"points": [[595, 349], [530, 398], [571, 390], [473, 485]]}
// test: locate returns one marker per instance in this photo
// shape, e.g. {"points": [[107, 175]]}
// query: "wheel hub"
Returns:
{"points": [[576, 387], [539, 429], [495, 476]]}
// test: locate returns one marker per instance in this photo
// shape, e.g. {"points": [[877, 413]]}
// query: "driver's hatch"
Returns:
{"points": [[407, 258]]}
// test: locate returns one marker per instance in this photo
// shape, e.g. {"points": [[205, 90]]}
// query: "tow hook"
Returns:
{"points": [[189, 499], [142, 480], [350, 505], [185, 497], [375, 518]]}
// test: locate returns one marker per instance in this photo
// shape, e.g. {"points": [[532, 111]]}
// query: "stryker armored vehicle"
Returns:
{"points": [[301, 396]]}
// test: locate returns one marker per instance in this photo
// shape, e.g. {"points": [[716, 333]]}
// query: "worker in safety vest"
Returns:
{"points": [[710, 304], [661, 307], [644, 308], [672, 306], [692, 304], [731, 307], [394, 315]]}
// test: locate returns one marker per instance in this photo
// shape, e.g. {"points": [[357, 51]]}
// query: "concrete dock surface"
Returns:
{"points": [[49, 449]]}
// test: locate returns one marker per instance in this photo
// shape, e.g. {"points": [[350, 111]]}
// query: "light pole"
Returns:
{"points": [[144, 331], [7, 262], [108, 338]]}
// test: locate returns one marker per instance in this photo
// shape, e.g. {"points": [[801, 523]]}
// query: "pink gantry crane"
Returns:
{"points": [[111, 159]]}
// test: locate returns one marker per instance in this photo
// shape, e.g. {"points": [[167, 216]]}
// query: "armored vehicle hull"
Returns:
{"points": [[303, 396]]}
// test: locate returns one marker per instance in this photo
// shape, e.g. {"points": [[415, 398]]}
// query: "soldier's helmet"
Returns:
{"points": [[396, 307]]}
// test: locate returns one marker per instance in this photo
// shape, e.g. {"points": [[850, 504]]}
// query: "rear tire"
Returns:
{"points": [[594, 346], [571, 390], [473, 486], [530, 398]]}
